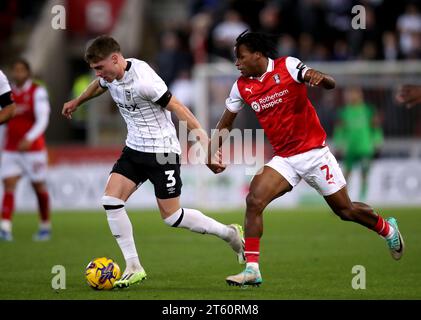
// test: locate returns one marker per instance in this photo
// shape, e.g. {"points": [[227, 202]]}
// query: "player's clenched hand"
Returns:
{"points": [[69, 107], [215, 163], [316, 78]]}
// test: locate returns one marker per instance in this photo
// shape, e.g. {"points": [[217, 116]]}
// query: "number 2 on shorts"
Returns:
{"points": [[328, 175]]}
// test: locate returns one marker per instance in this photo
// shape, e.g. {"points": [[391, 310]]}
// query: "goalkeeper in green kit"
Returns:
{"points": [[357, 135]]}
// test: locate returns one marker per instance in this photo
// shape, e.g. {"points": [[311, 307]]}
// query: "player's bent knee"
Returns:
{"points": [[255, 203], [112, 203]]}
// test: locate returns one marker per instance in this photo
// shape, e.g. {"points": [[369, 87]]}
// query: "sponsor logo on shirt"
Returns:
{"points": [[128, 95], [256, 106], [269, 101]]}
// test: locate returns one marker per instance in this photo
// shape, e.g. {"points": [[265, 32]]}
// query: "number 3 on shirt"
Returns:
{"points": [[171, 179]]}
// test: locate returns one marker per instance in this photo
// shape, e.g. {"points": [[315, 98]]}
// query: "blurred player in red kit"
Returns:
{"points": [[24, 151], [275, 88]]}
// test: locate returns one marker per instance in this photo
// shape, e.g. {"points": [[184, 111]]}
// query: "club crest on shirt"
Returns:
{"points": [[128, 95], [277, 78], [255, 106]]}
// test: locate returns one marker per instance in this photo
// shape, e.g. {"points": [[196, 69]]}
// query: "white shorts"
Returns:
{"points": [[318, 167], [33, 164]]}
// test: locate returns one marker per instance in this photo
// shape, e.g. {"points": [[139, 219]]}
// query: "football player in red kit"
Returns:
{"points": [[24, 152], [275, 88]]}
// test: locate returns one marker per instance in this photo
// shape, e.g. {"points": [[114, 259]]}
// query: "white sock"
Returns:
{"points": [[6, 225], [122, 230], [45, 225], [196, 221], [253, 265]]}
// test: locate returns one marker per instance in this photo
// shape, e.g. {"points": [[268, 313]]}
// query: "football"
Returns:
{"points": [[101, 273]]}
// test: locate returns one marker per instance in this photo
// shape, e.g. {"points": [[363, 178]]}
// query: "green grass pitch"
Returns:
{"points": [[306, 253]]}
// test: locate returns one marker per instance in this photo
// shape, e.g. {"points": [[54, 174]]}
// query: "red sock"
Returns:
{"points": [[252, 249], [8, 205], [382, 227], [44, 205]]}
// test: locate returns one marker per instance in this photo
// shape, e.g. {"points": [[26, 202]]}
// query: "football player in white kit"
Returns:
{"points": [[146, 104], [7, 105]]}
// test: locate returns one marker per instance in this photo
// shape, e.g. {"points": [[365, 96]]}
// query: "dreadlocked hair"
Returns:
{"points": [[259, 42]]}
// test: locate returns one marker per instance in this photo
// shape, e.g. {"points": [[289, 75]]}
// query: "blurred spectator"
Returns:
{"points": [[306, 47], [269, 19], [287, 46], [172, 58], [409, 27], [338, 16], [8, 11], [409, 95], [199, 37], [365, 39], [321, 53], [369, 51], [198, 6], [182, 88], [312, 18], [226, 32], [340, 50], [390, 46], [357, 135]]}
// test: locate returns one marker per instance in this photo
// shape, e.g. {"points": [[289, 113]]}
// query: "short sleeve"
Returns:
{"points": [[4, 84], [296, 68], [41, 99], [150, 86], [234, 102]]}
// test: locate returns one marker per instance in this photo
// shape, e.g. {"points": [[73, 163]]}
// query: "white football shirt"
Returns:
{"points": [[4, 84], [149, 126]]}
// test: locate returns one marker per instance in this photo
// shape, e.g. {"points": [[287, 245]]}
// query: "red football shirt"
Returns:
{"points": [[31, 119], [279, 99]]}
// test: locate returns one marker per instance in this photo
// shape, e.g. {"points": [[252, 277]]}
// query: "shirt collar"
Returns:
{"points": [[128, 66], [25, 86]]}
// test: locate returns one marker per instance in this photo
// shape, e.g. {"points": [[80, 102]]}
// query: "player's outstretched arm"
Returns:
{"points": [[92, 91], [187, 117], [222, 131], [409, 95], [318, 79], [184, 114]]}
